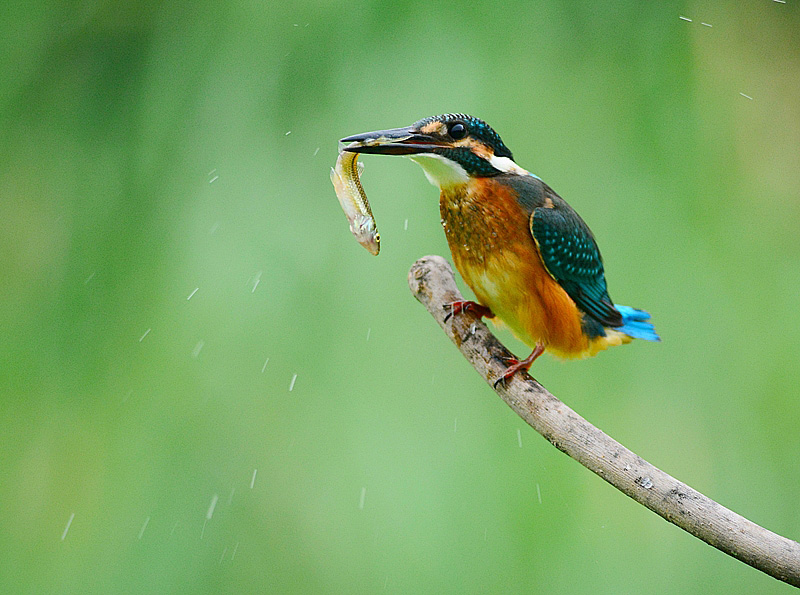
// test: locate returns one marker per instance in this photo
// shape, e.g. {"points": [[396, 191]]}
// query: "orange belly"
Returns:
{"points": [[524, 296], [493, 249]]}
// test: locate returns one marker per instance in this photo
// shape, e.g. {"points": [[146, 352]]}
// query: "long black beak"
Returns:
{"points": [[397, 141]]}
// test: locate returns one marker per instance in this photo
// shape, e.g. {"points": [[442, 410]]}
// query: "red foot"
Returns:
{"points": [[467, 306], [516, 365]]}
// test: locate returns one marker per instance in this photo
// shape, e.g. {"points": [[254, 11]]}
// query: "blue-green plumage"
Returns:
{"points": [[478, 129], [571, 256], [634, 324]]}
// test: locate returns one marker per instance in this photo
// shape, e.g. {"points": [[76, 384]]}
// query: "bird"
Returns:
{"points": [[529, 258]]}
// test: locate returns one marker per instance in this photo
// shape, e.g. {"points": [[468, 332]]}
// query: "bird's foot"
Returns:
{"points": [[467, 306], [516, 365]]}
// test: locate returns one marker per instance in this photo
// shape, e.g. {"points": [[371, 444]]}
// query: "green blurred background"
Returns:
{"points": [[190, 331]]}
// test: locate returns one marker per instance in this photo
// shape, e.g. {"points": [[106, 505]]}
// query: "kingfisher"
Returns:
{"points": [[528, 257]]}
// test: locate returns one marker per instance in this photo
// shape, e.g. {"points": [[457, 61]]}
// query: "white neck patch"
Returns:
{"points": [[446, 173], [506, 165], [441, 171]]}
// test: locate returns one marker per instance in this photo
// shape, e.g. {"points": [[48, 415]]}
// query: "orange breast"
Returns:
{"points": [[489, 237]]}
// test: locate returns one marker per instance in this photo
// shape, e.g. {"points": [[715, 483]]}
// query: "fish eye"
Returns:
{"points": [[457, 130]]}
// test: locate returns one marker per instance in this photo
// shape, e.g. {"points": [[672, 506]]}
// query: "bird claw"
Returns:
{"points": [[515, 365], [460, 306]]}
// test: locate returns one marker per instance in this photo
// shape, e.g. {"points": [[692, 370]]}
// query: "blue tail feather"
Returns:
{"points": [[634, 324]]}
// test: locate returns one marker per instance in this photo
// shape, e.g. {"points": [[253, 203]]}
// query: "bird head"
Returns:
{"points": [[451, 148]]}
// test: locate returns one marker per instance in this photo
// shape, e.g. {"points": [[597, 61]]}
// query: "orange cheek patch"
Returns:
{"points": [[481, 150], [476, 147], [432, 128]]}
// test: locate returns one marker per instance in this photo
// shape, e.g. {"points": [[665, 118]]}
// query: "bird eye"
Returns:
{"points": [[457, 131]]}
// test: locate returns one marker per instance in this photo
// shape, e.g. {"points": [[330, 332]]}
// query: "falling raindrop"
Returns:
{"points": [[256, 281], [141, 531], [69, 522], [211, 507]]}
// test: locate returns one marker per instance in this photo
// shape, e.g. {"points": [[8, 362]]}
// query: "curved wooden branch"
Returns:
{"points": [[432, 283]]}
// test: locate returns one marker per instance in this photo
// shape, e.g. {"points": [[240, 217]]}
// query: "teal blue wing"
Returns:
{"points": [[570, 254]]}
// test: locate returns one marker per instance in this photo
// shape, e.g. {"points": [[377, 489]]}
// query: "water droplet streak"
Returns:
{"points": [[212, 506], [141, 531], [66, 529]]}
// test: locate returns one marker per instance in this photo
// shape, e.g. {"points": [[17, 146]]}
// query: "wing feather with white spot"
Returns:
{"points": [[571, 256]]}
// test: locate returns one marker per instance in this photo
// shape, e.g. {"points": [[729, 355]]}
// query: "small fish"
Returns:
{"points": [[354, 201]]}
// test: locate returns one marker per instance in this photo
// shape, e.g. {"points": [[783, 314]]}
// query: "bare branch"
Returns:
{"points": [[432, 283]]}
